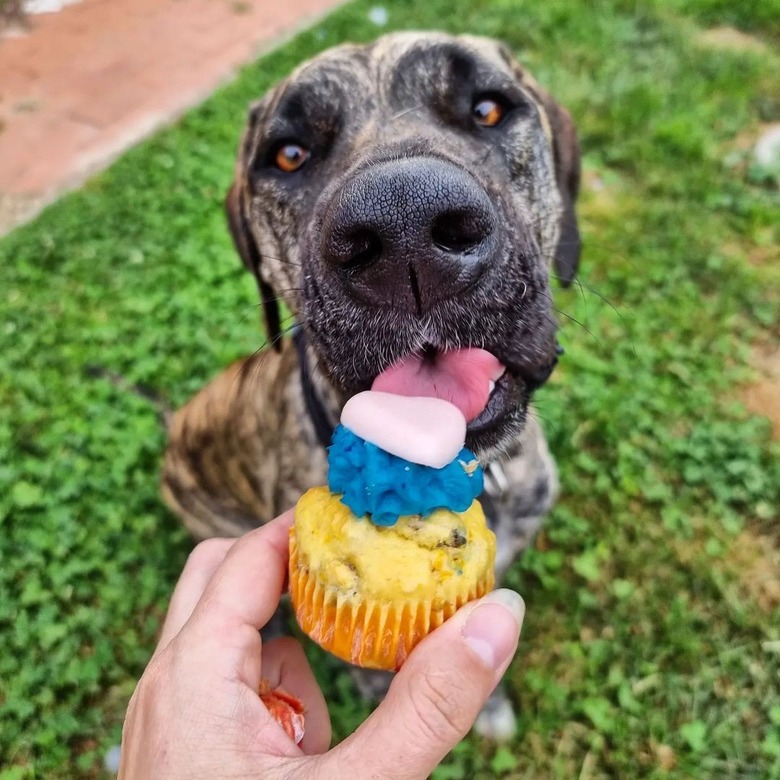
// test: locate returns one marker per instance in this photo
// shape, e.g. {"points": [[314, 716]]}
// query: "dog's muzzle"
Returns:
{"points": [[408, 233]]}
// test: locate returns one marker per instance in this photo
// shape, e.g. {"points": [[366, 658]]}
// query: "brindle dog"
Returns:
{"points": [[408, 196]]}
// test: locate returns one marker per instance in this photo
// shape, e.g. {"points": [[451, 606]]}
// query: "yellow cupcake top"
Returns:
{"points": [[432, 558]]}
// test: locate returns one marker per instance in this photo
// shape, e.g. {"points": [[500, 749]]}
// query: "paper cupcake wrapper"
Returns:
{"points": [[364, 632]]}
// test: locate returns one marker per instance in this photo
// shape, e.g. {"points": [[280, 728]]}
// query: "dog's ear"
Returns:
{"points": [[238, 222], [237, 207], [566, 155]]}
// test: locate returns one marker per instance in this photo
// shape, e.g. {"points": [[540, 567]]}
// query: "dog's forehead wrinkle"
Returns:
{"points": [[346, 57], [416, 55], [318, 95], [490, 49]]}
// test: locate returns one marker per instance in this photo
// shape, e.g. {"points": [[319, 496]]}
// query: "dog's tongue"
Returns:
{"points": [[463, 377]]}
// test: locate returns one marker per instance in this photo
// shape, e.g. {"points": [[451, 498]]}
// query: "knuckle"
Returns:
{"points": [[207, 553], [439, 708], [155, 673], [146, 688]]}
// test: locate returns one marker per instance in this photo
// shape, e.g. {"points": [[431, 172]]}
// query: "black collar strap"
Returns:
{"points": [[319, 416]]}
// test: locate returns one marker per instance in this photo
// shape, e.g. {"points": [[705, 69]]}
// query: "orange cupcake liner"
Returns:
{"points": [[367, 633]]}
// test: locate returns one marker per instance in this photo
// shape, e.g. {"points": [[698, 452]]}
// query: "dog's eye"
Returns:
{"points": [[487, 112], [290, 157]]}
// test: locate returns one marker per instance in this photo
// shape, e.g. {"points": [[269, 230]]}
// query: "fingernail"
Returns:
{"points": [[493, 627]]}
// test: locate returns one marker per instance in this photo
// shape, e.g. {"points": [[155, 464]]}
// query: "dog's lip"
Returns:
{"points": [[500, 403]]}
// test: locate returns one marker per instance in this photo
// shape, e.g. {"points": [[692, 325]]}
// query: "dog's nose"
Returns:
{"points": [[409, 232]]}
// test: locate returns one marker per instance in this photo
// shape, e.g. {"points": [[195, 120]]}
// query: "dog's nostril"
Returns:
{"points": [[459, 231], [358, 248]]}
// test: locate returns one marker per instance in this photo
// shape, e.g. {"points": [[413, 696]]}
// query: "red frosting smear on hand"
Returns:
{"points": [[461, 376], [287, 710]]}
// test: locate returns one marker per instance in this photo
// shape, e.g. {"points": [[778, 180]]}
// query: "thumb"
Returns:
{"points": [[438, 693]]}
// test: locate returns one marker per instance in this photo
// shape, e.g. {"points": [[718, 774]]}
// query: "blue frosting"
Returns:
{"points": [[384, 487]]}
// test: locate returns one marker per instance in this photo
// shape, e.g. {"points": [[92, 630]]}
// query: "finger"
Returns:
{"points": [[201, 564], [285, 666], [438, 693], [246, 588]]}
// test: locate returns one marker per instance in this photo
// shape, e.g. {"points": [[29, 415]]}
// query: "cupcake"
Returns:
{"points": [[397, 541]]}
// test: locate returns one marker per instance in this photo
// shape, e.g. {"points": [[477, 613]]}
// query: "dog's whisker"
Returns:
{"points": [[543, 423], [593, 291], [314, 362], [577, 322], [260, 306], [555, 324], [282, 260], [283, 332], [283, 296], [253, 363], [583, 286], [406, 111]]}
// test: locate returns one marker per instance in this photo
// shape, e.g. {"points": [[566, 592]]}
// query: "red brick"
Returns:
{"points": [[100, 75]]}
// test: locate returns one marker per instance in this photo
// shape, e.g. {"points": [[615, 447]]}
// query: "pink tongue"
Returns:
{"points": [[461, 377]]}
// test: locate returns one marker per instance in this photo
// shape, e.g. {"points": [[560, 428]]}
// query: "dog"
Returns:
{"points": [[409, 197]]}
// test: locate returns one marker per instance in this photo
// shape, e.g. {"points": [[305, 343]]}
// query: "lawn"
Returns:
{"points": [[652, 640]]}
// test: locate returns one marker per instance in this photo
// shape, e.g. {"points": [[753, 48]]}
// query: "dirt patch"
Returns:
{"points": [[601, 192], [731, 39], [756, 560], [85, 83], [747, 139], [766, 254], [15, 209], [11, 13], [665, 756], [763, 396], [754, 154]]}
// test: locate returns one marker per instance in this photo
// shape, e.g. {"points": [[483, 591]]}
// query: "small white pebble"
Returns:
{"points": [[45, 6], [111, 759], [767, 149], [497, 720], [378, 15]]}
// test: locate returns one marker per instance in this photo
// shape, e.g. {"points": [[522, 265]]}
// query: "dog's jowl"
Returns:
{"points": [[409, 202]]}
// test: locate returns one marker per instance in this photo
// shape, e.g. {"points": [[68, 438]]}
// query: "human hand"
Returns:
{"points": [[196, 711]]}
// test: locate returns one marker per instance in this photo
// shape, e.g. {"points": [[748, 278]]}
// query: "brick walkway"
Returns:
{"points": [[90, 81]]}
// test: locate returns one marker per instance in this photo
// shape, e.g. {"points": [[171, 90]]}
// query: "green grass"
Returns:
{"points": [[652, 640]]}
